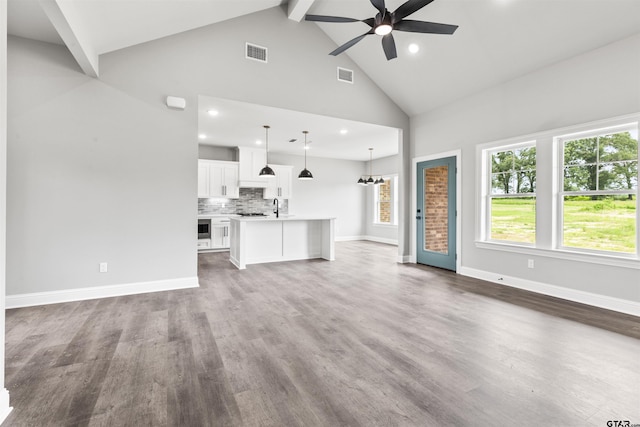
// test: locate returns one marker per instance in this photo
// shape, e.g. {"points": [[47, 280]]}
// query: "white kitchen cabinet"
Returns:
{"points": [[204, 244], [280, 185], [250, 162], [218, 179], [203, 180], [219, 236]]}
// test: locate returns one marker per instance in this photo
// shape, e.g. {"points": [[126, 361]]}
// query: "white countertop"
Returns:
{"points": [[282, 218], [212, 216]]}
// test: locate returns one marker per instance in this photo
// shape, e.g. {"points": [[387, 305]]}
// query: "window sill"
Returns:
{"points": [[612, 260], [380, 224]]}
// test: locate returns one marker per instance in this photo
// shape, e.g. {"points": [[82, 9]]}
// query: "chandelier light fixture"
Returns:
{"points": [[266, 171], [364, 180], [305, 174]]}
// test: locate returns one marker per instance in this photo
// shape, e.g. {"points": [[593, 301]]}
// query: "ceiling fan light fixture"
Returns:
{"points": [[383, 29], [385, 22]]}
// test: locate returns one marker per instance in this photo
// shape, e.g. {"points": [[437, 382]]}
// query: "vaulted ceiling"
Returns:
{"points": [[497, 40]]}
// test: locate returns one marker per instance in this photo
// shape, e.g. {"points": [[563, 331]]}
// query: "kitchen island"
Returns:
{"points": [[256, 240]]}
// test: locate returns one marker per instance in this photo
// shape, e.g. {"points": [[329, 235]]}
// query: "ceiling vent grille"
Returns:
{"points": [[255, 52], [345, 75]]}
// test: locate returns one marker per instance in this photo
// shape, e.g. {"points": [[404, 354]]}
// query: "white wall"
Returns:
{"points": [[4, 394], [385, 233], [332, 192], [210, 152], [100, 170], [596, 85]]}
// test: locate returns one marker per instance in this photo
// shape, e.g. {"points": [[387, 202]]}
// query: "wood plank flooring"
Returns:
{"points": [[361, 341]]}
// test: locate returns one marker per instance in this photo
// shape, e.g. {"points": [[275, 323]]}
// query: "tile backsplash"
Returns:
{"points": [[250, 201]]}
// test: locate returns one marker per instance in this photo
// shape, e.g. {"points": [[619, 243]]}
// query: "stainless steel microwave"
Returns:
{"points": [[204, 229]]}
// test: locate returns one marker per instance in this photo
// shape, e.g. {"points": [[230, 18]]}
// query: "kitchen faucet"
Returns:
{"points": [[277, 209]]}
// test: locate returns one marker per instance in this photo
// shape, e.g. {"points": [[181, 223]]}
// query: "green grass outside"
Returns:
{"points": [[606, 224]]}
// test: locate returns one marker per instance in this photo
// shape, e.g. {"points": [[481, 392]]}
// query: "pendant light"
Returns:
{"points": [[364, 180], [266, 171], [305, 174]]}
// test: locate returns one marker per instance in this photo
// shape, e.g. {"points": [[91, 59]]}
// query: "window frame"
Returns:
{"points": [[394, 202], [588, 131], [547, 190], [488, 196]]}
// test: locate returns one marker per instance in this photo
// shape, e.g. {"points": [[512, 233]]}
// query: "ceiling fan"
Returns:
{"points": [[385, 22]]}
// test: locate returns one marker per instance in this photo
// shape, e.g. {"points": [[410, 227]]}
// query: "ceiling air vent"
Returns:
{"points": [[345, 75], [255, 52]]}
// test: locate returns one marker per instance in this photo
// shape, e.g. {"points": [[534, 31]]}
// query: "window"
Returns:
{"points": [[570, 193], [386, 201], [599, 188], [511, 195]]}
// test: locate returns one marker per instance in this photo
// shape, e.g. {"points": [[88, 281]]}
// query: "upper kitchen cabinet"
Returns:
{"points": [[280, 185], [218, 179], [251, 161]]}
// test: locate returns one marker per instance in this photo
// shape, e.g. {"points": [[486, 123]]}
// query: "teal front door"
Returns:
{"points": [[436, 213]]}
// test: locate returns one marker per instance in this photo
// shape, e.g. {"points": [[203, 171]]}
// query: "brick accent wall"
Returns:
{"points": [[436, 218]]}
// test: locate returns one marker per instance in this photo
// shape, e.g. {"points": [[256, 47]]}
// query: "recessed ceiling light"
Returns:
{"points": [[414, 48], [306, 147], [343, 132], [202, 136], [213, 112], [258, 142]]}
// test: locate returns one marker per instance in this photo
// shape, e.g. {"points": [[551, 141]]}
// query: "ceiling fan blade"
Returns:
{"points": [[389, 46], [424, 27], [407, 9], [370, 22], [323, 18], [350, 43], [379, 4]]}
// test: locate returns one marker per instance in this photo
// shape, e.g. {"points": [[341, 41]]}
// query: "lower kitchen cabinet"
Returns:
{"points": [[219, 236]]}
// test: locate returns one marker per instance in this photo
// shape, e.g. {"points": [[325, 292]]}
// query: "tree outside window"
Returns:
{"points": [[599, 191], [512, 202]]}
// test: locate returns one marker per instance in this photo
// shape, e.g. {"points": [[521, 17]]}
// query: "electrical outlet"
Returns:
{"points": [[103, 267], [530, 263]]}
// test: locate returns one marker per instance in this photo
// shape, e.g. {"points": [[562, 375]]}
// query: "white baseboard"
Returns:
{"points": [[381, 240], [369, 238], [348, 238], [596, 300], [68, 295], [5, 409], [404, 259]]}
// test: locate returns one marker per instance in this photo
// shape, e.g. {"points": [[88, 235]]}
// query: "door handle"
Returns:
{"points": [[418, 217]]}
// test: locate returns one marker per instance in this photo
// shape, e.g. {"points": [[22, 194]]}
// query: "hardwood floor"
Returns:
{"points": [[361, 341]]}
